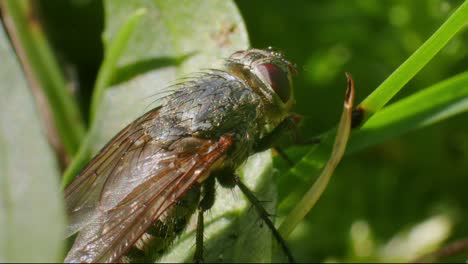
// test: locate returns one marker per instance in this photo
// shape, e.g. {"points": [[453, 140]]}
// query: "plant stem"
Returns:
{"points": [[314, 193]]}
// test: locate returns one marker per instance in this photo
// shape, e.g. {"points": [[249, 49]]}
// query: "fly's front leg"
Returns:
{"points": [[287, 126], [207, 201]]}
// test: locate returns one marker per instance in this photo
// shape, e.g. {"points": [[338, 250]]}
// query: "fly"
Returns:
{"points": [[140, 190]]}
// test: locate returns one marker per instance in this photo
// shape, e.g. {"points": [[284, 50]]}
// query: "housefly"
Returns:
{"points": [[143, 186]]}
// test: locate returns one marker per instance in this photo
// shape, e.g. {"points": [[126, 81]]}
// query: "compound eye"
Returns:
{"points": [[277, 79]]}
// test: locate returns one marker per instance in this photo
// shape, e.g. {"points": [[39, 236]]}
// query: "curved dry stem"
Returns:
{"points": [[314, 193]]}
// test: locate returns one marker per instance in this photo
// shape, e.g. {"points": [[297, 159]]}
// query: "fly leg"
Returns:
{"points": [[287, 126], [207, 201], [227, 178], [265, 217]]}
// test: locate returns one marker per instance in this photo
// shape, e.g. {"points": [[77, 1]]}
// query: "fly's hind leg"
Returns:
{"points": [[265, 217], [207, 201], [228, 179]]}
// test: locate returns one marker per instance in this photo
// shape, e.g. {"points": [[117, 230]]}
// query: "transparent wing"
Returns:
{"points": [[82, 195], [139, 182]]}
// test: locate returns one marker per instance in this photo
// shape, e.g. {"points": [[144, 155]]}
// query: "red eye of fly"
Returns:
{"points": [[277, 79]]}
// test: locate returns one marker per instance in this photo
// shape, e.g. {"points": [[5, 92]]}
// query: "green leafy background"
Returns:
{"points": [[394, 196]]}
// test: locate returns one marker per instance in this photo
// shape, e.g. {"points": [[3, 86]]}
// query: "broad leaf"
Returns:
{"points": [[31, 212]]}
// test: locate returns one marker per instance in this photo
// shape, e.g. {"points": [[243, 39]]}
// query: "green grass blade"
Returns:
{"points": [[79, 160], [431, 105], [112, 56], [105, 75], [310, 165], [426, 107], [375, 101], [39, 60]]}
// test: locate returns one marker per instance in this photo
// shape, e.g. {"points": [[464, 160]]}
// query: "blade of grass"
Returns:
{"points": [[82, 156], [377, 99], [436, 103], [431, 105], [38, 57], [113, 53], [104, 78], [310, 165]]}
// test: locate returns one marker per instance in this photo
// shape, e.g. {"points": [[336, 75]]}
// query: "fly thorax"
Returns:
{"points": [[208, 107]]}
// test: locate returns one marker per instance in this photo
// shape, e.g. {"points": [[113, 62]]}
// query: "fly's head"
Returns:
{"points": [[270, 76]]}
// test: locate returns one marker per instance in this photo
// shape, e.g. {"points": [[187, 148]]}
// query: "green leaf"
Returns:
{"points": [[31, 212]]}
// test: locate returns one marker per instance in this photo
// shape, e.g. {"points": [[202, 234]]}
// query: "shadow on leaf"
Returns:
{"points": [[130, 71]]}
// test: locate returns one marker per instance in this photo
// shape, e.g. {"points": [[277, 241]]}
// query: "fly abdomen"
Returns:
{"points": [[162, 233]]}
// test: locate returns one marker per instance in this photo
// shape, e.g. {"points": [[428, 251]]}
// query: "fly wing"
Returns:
{"points": [[83, 194], [144, 181]]}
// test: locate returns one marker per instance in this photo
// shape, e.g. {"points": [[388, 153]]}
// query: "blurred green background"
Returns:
{"points": [[390, 202], [391, 188]]}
